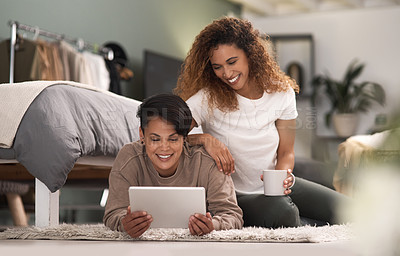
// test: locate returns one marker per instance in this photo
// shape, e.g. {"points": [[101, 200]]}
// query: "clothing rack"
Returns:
{"points": [[79, 42]]}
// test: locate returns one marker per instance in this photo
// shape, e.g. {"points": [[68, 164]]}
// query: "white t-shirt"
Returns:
{"points": [[249, 133]]}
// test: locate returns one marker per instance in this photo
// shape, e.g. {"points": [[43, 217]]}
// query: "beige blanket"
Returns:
{"points": [[359, 151]]}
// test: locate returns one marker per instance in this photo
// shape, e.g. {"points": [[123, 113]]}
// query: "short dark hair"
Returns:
{"points": [[169, 107]]}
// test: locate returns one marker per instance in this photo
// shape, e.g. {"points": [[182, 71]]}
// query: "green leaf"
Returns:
{"points": [[352, 72], [379, 93], [362, 106]]}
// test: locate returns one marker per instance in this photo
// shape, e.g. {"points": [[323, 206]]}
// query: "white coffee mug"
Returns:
{"points": [[273, 182]]}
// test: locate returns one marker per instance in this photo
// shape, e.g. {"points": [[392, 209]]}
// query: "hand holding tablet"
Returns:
{"points": [[169, 207]]}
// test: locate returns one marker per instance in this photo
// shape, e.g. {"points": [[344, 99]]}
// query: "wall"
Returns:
{"points": [[168, 27], [370, 35]]}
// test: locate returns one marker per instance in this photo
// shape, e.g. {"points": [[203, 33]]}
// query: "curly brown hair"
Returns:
{"points": [[197, 72]]}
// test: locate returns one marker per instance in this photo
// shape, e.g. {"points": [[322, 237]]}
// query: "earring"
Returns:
{"points": [[142, 140]]}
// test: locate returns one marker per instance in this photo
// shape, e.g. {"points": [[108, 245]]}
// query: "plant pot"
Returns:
{"points": [[345, 124]]}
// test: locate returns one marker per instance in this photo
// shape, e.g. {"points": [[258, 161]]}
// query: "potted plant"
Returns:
{"points": [[347, 98]]}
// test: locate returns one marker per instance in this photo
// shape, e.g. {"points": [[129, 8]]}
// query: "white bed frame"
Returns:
{"points": [[47, 203]]}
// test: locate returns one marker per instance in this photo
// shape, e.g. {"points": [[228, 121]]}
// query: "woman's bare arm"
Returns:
{"points": [[285, 152], [217, 150]]}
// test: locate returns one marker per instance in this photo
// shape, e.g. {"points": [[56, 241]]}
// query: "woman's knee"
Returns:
{"points": [[288, 213], [316, 201], [270, 212]]}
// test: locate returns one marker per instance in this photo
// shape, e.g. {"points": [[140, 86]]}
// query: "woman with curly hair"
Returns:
{"points": [[246, 107]]}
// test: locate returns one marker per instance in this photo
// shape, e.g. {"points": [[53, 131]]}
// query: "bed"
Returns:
{"points": [[61, 125]]}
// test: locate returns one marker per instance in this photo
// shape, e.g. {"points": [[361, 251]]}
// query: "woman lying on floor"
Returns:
{"points": [[163, 158]]}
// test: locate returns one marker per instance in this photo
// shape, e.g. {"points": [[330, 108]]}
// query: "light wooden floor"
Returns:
{"points": [[100, 248]]}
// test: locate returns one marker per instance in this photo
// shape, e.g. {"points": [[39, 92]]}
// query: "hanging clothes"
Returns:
{"points": [[58, 67], [47, 64], [75, 63], [82, 70], [98, 70], [57, 60], [67, 53], [24, 56], [42, 68]]}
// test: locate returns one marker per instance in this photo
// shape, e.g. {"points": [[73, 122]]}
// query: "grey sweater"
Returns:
{"points": [[196, 168]]}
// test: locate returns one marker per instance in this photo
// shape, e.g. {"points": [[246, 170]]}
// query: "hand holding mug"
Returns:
{"points": [[278, 182], [289, 182]]}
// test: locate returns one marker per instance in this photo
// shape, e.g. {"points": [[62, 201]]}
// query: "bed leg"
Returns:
{"points": [[46, 206]]}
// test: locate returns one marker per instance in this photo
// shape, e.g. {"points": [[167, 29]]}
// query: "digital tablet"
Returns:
{"points": [[170, 207]]}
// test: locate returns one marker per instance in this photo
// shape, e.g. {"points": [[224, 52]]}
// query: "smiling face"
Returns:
{"points": [[230, 64], [163, 145]]}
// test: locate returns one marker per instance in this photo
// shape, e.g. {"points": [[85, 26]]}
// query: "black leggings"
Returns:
{"points": [[309, 203]]}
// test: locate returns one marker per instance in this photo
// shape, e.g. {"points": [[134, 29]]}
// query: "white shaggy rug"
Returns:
{"points": [[99, 232]]}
